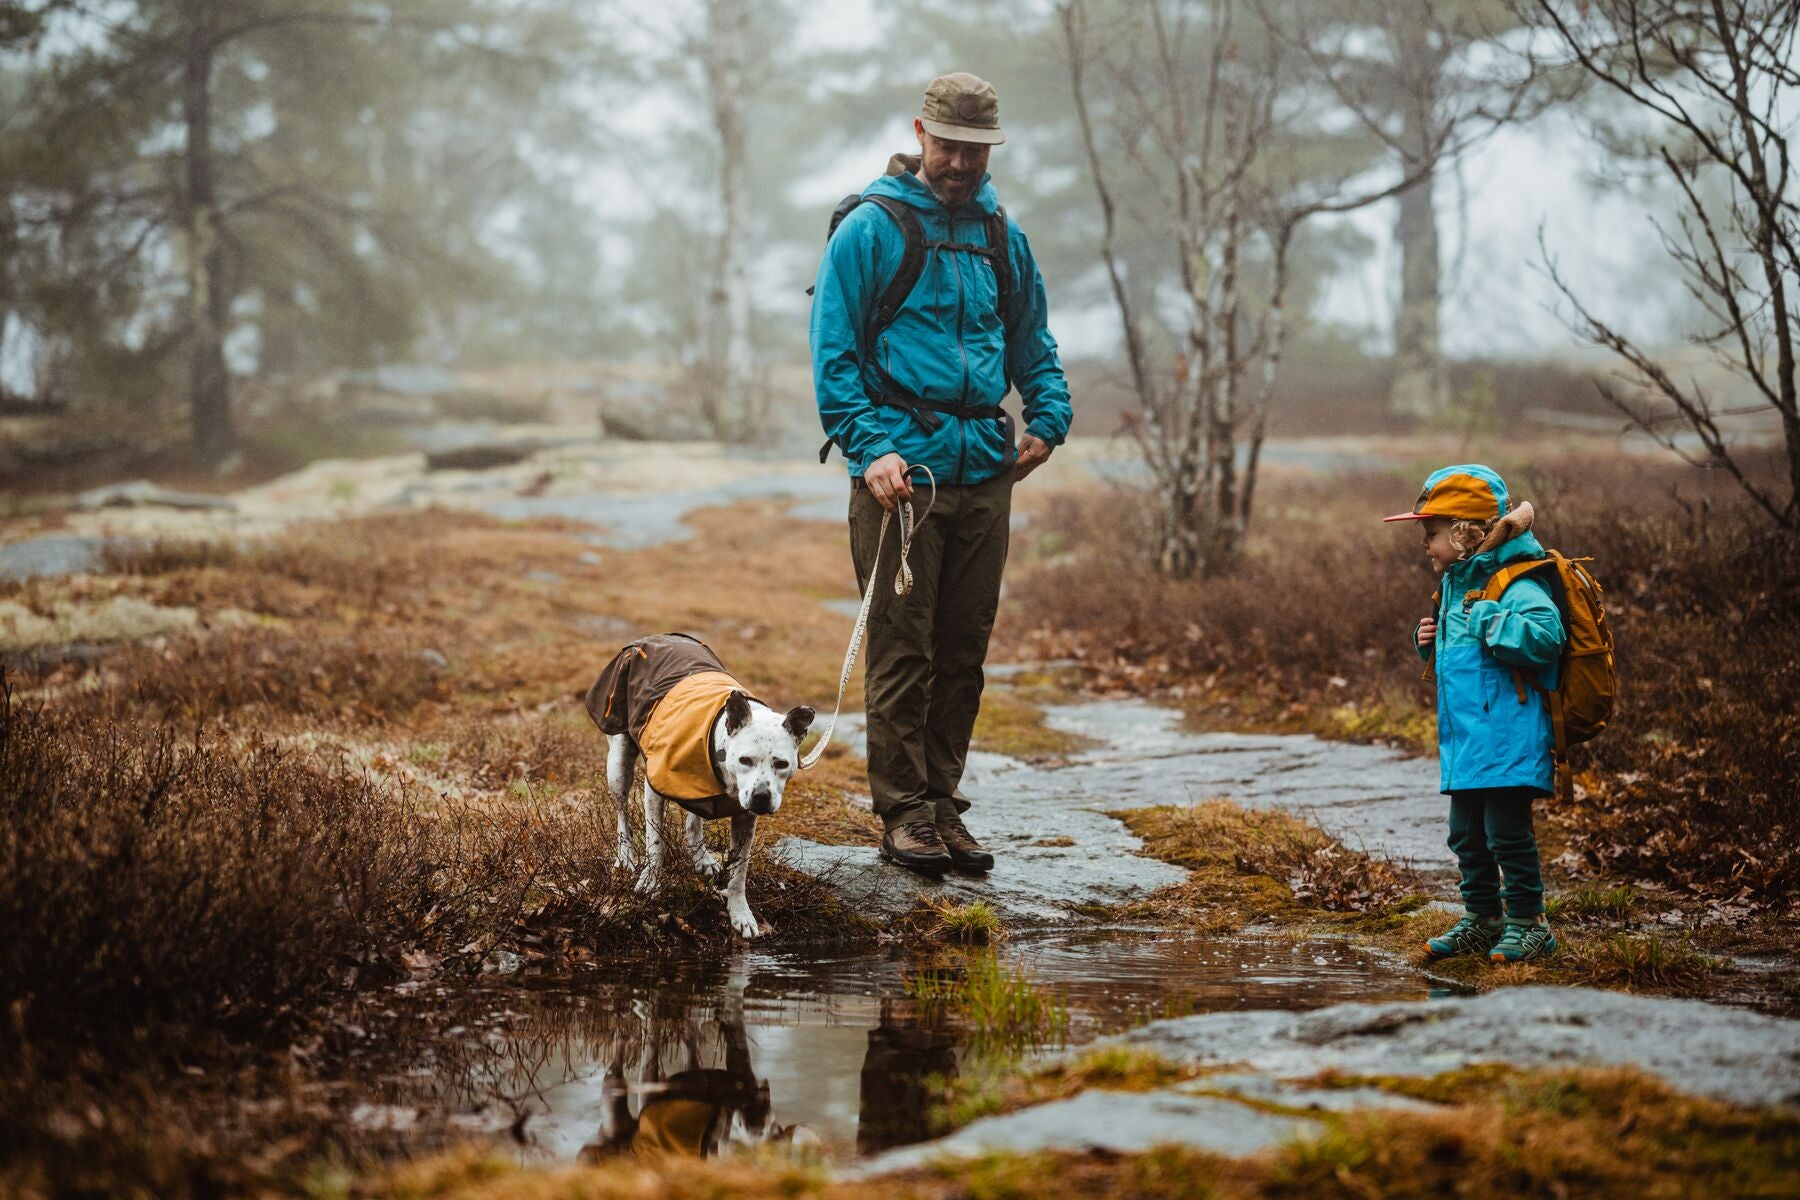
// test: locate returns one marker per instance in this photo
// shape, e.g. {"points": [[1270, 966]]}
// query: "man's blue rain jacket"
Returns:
{"points": [[946, 343], [1487, 737]]}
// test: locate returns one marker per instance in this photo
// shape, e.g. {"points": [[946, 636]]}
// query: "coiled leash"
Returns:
{"points": [[903, 583]]}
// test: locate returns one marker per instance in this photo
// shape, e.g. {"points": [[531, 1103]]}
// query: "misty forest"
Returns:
{"points": [[373, 372]]}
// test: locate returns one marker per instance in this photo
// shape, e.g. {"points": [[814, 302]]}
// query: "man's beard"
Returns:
{"points": [[949, 194]]}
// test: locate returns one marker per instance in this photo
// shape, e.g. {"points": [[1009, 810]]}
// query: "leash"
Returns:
{"points": [[903, 583]]}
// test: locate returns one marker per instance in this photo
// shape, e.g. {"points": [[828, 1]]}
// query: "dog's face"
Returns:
{"points": [[762, 750]]}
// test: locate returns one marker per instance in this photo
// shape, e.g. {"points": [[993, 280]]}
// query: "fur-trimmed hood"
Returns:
{"points": [[1514, 523]]}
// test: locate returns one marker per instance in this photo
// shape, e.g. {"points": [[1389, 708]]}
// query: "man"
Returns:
{"points": [[916, 380]]}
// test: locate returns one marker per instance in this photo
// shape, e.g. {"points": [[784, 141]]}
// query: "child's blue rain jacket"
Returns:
{"points": [[1487, 738]]}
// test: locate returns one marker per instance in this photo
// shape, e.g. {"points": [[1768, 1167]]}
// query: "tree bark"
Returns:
{"points": [[209, 383], [1420, 388], [734, 362]]}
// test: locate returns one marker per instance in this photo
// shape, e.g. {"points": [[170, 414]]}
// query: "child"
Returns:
{"points": [[1495, 744]]}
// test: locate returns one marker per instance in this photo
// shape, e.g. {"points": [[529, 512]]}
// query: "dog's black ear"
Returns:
{"points": [[798, 721], [737, 713]]}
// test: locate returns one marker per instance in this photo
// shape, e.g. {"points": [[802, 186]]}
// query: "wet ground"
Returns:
{"points": [[830, 1049], [1059, 848]]}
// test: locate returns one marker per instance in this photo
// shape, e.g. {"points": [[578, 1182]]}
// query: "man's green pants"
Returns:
{"points": [[922, 674]]}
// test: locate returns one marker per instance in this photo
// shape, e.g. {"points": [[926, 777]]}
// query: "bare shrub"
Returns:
{"points": [[146, 879], [376, 675], [152, 881]]}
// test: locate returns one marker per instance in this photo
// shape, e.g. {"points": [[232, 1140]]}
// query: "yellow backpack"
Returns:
{"points": [[1588, 682]]}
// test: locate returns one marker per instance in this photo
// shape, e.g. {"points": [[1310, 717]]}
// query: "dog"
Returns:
{"points": [[706, 745]]}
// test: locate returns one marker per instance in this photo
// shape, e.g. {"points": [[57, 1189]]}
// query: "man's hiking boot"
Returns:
{"points": [[917, 846], [1530, 938], [1471, 935], [967, 853]]}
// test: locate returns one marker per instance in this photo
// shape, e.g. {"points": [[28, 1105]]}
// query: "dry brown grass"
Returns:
{"points": [[1498, 1131], [154, 880], [443, 646], [1247, 864]]}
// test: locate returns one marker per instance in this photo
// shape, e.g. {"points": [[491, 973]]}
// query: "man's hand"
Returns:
{"points": [[1032, 453], [887, 481], [1427, 631]]}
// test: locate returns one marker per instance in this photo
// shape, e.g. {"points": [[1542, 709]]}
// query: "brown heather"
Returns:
{"points": [[1694, 785], [161, 877]]}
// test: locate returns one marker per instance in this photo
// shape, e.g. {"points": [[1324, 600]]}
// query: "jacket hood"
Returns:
{"points": [[1509, 541], [902, 182]]}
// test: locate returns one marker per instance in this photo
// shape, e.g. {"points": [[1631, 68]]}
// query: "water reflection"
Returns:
{"points": [[909, 1060], [697, 1056], [695, 1110]]}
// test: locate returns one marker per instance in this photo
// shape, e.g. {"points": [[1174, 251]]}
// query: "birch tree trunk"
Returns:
{"points": [[209, 384], [1420, 388], [733, 369]]}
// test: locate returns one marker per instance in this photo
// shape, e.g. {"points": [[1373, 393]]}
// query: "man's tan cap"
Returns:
{"points": [[962, 108]]}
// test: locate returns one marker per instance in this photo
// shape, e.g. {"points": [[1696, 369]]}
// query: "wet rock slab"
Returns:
{"points": [[1368, 796], [1727, 1053], [1058, 847], [1116, 1122], [1054, 849]]}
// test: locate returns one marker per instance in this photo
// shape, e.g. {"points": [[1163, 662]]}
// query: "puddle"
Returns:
{"points": [[830, 1051]]}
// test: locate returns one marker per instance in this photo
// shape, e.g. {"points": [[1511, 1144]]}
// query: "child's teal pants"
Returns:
{"points": [[1490, 833]]}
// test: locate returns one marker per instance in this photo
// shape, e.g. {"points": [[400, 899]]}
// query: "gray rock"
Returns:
{"points": [[58, 554], [634, 522], [403, 379], [1707, 1049], [1368, 796], [1264, 1089], [141, 493], [1120, 1122], [1017, 806]]}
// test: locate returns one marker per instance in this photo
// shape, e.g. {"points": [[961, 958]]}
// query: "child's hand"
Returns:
{"points": [[1427, 631]]}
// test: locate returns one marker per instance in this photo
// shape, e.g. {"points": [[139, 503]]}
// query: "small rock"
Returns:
{"points": [[141, 493], [502, 962], [433, 658]]}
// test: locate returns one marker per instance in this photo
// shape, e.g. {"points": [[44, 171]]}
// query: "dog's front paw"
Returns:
{"points": [[745, 924], [646, 880], [627, 860], [709, 867]]}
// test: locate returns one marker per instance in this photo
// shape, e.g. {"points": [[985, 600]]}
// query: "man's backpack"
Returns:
{"points": [[1588, 682], [912, 259], [912, 266]]}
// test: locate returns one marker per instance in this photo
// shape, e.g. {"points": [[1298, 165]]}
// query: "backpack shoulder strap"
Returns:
{"points": [[1504, 578], [999, 240], [912, 262]]}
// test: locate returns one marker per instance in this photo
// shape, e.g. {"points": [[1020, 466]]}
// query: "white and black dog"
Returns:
{"points": [[706, 745]]}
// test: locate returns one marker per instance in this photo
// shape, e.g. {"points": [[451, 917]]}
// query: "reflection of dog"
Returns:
{"points": [[706, 745], [694, 1110]]}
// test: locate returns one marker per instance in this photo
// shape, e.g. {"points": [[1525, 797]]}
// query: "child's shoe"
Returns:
{"points": [[1471, 935], [1523, 939]]}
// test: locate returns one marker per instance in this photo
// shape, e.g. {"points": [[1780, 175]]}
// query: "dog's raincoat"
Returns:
{"points": [[946, 343], [666, 691], [1492, 731]]}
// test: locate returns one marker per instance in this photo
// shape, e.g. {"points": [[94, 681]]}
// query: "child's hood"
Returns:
{"points": [[1509, 541]]}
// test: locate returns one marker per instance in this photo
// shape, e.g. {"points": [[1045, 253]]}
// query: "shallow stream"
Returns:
{"points": [[829, 1049]]}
